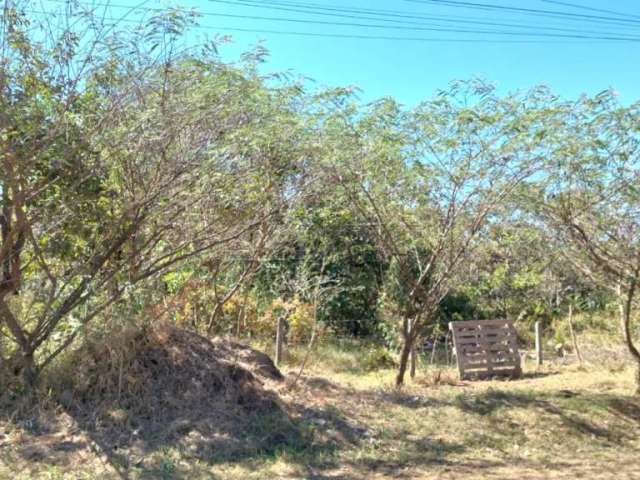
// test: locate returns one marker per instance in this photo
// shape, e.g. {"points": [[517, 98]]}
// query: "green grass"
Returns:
{"points": [[346, 420]]}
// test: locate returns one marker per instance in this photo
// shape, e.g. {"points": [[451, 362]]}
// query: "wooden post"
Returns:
{"points": [[574, 339], [433, 349], [538, 344], [412, 353], [446, 347], [279, 340], [412, 365], [458, 356]]}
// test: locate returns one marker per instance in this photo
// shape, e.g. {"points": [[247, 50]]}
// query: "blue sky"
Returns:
{"points": [[413, 70]]}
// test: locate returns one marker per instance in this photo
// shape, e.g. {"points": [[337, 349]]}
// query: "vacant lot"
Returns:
{"points": [[341, 421]]}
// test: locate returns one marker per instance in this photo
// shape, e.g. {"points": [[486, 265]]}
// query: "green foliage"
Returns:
{"points": [[457, 306], [328, 240], [400, 279], [142, 180], [377, 358], [118, 166], [299, 318]]}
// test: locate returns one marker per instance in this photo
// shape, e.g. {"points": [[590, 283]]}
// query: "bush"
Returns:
{"points": [[377, 358], [299, 320], [240, 315]]}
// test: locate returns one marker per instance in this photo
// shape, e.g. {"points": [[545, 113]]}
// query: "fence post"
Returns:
{"points": [[279, 340], [412, 353], [538, 344], [446, 345], [573, 335], [412, 368]]}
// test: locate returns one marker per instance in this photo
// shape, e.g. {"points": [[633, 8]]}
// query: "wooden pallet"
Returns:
{"points": [[486, 348]]}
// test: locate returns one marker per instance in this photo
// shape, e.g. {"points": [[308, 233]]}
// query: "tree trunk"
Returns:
{"points": [[404, 360], [22, 364], [633, 350], [625, 321], [29, 373], [214, 316], [242, 314], [408, 337]]}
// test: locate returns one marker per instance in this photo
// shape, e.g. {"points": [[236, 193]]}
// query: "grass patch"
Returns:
{"points": [[343, 420]]}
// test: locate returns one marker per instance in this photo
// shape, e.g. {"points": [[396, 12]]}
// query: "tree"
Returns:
{"points": [[591, 200], [324, 236], [429, 180], [123, 154], [519, 273]]}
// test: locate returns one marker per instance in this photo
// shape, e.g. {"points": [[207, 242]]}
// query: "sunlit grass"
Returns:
{"points": [[559, 421]]}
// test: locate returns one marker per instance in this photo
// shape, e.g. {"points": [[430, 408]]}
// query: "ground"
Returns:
{"points": [[343, 422]]}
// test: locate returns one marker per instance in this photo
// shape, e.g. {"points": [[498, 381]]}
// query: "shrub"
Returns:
{"points": [[377, 358], [299, 320]]}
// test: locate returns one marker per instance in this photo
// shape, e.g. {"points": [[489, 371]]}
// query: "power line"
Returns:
{"points": [[224, 28], [430, 29], [380, 37], [584, 7], [383, 15], [438, 28], [379, 12], [534, 11]]}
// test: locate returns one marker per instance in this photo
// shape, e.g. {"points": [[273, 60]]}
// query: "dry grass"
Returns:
{"points": [[346, 422]]}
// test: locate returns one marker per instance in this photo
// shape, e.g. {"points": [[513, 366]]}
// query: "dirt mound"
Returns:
{"points": [[253, 360], [163, 385]]}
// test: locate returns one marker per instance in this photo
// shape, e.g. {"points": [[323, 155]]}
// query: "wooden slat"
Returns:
{"points": [[486, 340], [508, 341], [493, 348], [497, 370], [488, 360], [508, 362], [475, 323], [486, 374], [490, 357], [485, 348], [484, 333]]}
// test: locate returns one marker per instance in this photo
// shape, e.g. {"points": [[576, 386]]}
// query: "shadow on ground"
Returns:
{"points": [[567, 406], [584, 418], [249, 424]]}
